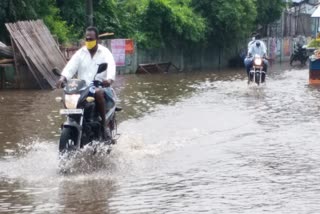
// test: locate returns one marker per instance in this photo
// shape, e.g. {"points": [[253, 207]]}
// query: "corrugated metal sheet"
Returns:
{"points": [[39, 50]]}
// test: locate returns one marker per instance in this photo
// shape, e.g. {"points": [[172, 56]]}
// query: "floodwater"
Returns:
{"points": [[190, 143]]}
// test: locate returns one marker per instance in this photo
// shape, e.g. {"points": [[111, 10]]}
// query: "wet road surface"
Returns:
{"points": [[190, 143]]}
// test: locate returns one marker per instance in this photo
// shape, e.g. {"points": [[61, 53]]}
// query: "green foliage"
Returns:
{"points": [[108, 16], [57, 25], [228, 21], [73, 12], [152, 23], [167, 22], [269, 11], [17, 10], [315, 43]]}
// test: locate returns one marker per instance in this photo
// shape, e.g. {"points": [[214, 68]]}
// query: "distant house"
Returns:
{"points": [[297, 20]]}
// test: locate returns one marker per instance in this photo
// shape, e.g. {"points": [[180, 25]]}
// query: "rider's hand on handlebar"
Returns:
{"points": [[266, 57], [107, 83], [60, 82]]}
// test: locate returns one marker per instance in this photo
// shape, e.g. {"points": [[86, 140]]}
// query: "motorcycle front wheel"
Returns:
{"points": [[257, 78], [67, 140], [292, 58], [304, 61]]}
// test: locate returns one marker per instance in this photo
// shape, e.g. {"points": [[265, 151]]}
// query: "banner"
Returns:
{"points": [[118, 49], [279, 42], [286, 47], [129, 46]]}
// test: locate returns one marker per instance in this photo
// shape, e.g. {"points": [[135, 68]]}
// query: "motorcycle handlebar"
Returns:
{"points": [[267, 58], [97, 83], [63, 84]]}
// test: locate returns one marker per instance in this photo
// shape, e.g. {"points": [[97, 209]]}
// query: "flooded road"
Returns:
{"points": [[190, 143]]}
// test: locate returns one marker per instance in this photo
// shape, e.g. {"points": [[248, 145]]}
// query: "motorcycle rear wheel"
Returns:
{"points": [[67, 141]]}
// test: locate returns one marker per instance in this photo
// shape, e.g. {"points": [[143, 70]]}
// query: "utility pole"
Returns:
{"points": [[89, 13]]}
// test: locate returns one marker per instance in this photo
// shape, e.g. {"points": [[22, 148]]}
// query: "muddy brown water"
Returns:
{"points": [[190, 143]]}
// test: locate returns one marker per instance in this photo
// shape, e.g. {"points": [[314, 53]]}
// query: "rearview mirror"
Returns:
{"points": [[102, 67]]}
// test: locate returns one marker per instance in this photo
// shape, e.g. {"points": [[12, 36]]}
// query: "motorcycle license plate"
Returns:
{"points": [[70, 111]]}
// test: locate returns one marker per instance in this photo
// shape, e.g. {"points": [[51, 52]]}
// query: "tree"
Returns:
{"points": [[108, 16], [269, 12], [228, 21], [162, 23], [16, 10], [157, 23]]}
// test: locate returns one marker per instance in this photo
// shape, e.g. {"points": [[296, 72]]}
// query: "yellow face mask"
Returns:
{"points": [[91, 44]]}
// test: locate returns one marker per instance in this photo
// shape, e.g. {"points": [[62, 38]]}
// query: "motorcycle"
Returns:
{"points": [[299, 54], [83, 123], [257, 74]]}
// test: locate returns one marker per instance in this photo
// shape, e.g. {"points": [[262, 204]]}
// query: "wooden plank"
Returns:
{"points": [[34, 53], [163, 67], [106, 34], [159, 68], [16, 62], [34, 62], [6, 51], [39, 50], [21, 46], [143, 69], [57, 60], [6, 61], [50, 62], [6, 65], [54, 46]]}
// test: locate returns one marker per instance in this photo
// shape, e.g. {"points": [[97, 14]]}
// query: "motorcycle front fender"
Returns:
{"points": [[72, 124]]}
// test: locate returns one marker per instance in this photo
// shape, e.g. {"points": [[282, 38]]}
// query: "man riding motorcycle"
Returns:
{"points": [[258, 48], [256, 37], [299, 54], [84, 63]]}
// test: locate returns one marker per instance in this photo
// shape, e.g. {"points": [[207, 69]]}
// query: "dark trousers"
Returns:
{"points": [[248, 62]]}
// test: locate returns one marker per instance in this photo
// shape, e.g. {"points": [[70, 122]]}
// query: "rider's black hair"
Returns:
{"points": [[94, 29], [258, 36]]}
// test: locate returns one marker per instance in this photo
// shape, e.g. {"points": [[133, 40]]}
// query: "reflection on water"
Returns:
{"points": [[191, 143]]}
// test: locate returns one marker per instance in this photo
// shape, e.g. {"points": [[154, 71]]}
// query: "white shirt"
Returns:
{"points": [[261, 50], [86, 67], [251, 43]]}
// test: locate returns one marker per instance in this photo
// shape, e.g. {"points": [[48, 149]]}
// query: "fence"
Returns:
{"points": [[210, 58], [280, 49]]}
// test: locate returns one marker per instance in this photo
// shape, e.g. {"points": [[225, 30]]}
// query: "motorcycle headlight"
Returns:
{"points": [[71, 100], [258, 61]]}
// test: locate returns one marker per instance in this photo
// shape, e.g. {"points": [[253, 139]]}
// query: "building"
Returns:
{"points": [[296, 20]]}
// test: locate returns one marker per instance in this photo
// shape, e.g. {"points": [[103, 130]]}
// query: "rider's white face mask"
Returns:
{"points": [[253, 38]]}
